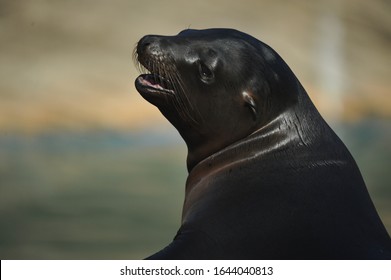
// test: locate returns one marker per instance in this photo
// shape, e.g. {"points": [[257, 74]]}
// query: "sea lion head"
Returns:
{"points": [[216, 86]]}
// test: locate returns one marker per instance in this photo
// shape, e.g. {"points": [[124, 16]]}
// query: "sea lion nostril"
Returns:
{"points": [[149, 45]]}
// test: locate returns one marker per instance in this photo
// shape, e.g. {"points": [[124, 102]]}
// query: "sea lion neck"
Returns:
{"points": [[260, 142], [283, 126], [206, 146], [289, 132]]}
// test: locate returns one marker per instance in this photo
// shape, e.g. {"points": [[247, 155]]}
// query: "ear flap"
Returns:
{"points": [[249, 102]]}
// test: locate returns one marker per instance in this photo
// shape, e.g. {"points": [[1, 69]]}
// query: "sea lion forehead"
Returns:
{"points": [[214, 33], [220, 34], [212, 42], [221, 40]]}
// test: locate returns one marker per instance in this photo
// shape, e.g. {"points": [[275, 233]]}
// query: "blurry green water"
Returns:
{"points": [[96, 196], [113, 195]]}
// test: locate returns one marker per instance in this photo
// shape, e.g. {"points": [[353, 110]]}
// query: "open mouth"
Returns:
{"points": [[153, 83]]}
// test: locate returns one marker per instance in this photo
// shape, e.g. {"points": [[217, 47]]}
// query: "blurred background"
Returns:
{"points": [[89, 170]]}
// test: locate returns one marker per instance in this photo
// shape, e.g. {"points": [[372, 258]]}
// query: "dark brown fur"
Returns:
{"points": [[268, 178]]}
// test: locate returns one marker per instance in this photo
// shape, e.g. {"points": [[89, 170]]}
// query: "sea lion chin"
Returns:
{"points": [[268, 178]]}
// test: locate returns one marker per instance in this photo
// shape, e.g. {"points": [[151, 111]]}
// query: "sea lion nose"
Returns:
{"points": [[149, 45]]}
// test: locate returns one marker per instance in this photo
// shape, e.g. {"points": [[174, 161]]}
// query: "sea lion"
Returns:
{"points": [[268, 178]]}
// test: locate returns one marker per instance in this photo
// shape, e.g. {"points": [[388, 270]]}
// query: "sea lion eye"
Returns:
{"points": [[205, 73]]}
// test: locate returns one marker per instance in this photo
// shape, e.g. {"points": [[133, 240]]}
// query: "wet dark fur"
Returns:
{"points": [[268, 178]]}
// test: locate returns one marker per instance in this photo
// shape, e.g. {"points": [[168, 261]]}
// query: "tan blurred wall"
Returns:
{"points": [[68, 65]]}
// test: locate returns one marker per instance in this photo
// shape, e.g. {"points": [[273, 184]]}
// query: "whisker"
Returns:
{"points": [[187, 107], [168, 75]]}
